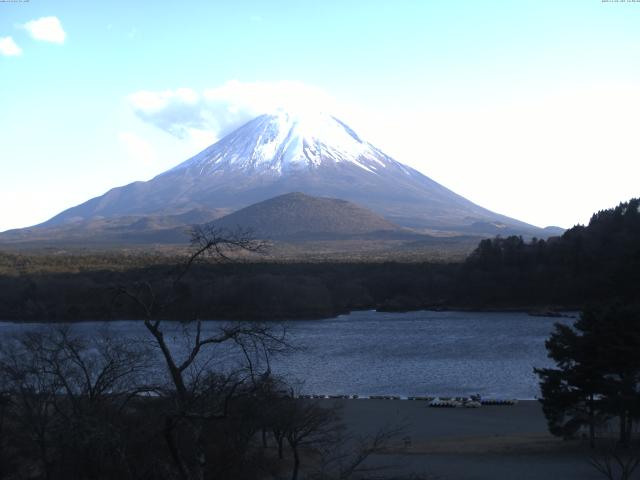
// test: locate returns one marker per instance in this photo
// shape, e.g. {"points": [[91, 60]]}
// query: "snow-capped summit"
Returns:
{"points": [[312, 153], [283, 141]]}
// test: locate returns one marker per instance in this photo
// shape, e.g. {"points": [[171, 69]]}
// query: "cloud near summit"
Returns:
{"points": [[209, 115]]}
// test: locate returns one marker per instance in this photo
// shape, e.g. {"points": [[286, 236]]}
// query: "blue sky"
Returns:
{"points": [[528, 108]]}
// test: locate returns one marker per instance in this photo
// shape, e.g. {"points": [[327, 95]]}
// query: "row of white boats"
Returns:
{"points": [[475, 401]]}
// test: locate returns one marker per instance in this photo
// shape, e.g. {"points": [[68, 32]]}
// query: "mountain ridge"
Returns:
{"points": [[318, 155]]}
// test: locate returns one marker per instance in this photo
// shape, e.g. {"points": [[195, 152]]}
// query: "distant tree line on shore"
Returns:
{"points": [[592, 263]]}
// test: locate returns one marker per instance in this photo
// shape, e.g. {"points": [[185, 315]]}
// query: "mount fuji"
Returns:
{"points": [[279, 153]]}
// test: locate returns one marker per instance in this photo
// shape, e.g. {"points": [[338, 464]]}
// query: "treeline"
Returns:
{"points": [[232, 291], [590, 263], [587, 264]]}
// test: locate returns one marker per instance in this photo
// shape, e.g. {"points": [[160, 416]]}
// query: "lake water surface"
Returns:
{"points": [[415, 353]]}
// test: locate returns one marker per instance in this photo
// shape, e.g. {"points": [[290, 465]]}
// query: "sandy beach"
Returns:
{"points": [[491, 442]]}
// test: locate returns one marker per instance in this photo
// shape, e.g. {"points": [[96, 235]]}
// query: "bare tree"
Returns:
{"points": [[198, 394], [615, 462], [4, 457], [309, 425], [64, 392], [346, 456], [316, 430], [90, 371], [32, 393]]}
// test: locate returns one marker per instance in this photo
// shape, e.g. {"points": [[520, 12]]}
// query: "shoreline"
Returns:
{"points": [[426, 399], [539, 312]]}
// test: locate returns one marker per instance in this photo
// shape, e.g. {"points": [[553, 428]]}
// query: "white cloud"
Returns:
{"points": [[137, 149], [9, 48], [48, 29], [214, 112]]}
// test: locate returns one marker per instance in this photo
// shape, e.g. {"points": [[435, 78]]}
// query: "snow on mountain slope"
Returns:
{"points": [[284, 141]]}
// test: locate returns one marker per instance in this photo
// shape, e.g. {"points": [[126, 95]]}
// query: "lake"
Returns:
{"points": [[414, 353]]}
